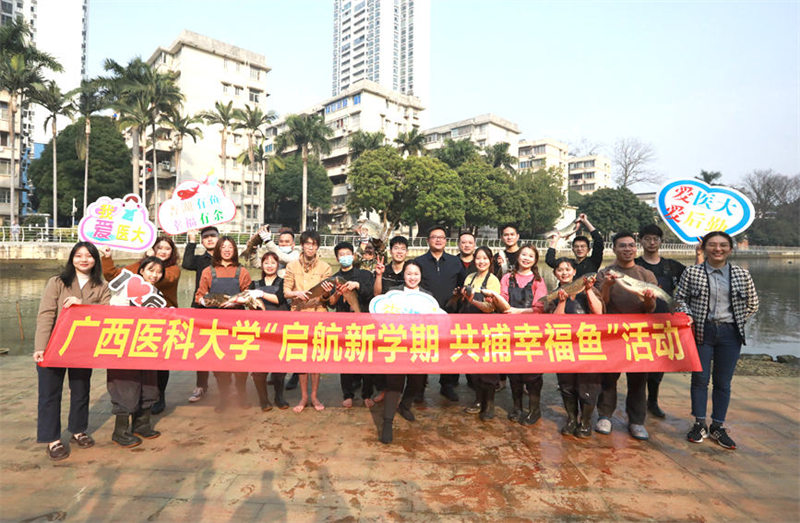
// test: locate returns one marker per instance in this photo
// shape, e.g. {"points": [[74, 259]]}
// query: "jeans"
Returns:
{"points": [[51, 384], [721, 343]]}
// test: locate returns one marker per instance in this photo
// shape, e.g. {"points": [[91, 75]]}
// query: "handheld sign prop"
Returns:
{"points": [[692, 208], [118, 223], [130, 289], [195, 205], [399, 302]]}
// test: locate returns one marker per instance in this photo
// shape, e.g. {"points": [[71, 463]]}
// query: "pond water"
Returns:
{"points": [[775, 330]]}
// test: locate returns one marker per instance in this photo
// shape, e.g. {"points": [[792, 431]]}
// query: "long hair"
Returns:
{"points": [[173, 258], [269, 254], [534, 269], [67, 275], [488, 252], [153, 259], [216, 258]]}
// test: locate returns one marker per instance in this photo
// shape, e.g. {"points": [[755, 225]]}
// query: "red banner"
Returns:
{"points": [[98, 336]]}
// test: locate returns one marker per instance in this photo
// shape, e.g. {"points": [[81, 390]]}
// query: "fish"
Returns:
{"points": [[638, 287], [223, 301], [572, 289], [566, 232], [185, 194], [316, 291]]}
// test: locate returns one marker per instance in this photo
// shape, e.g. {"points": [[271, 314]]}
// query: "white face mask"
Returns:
{"points": [[286, 249], [346, 261]]}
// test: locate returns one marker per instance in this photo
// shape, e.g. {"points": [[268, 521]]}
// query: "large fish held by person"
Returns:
{"points": [[638, 287]]}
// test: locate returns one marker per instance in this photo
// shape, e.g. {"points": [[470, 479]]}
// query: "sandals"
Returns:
{"points": [[82, 440], [57, 452]]}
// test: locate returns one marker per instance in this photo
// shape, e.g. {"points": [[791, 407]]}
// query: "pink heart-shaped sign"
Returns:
{"points": [[692, 209], [138, 288]]}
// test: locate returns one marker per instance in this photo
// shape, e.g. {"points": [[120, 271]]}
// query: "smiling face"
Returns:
{"points": [[151, 273], [399, 252], [83, 261], [227, 250], [717, 249], [163, 250], [412, 276], [510, 236], [625, 250], [527, 259], [580, 249], [564, 272], [269, 266], [437, 240], [482, 261]]}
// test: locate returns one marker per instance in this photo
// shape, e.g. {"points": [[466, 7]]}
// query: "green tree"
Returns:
{"points": [[109, 165], [489, 196], [251, 120], [306, 132], [709, 177], [456, 152], [283, 190], [361, 141], [776, 201], [497, 155], [433, 193], [378, 185], [56, 104], [22, 68], [575, 198], [91, 97], [614, 210], [223, 115], [411, 143], [541, 199], [180, 126]]}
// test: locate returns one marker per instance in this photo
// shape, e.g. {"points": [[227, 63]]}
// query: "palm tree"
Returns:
{"points": [[263, 162], [178, 127], [497, 155], [133, 114], [306, 132], [362, 141], [57, 104], [412, 142], [21, 74], [224, 115], [709, 177], [91, 98], [251, 119]]}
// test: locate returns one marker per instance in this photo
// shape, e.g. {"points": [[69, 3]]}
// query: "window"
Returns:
{"points": [[525, 165], [237, 138], [5, 166], [255, 96], [356, 99], [589, 175], [588, 187], [226, 89], [252, 189], [539, 149], [255, 73], [268, 148], [4, 139], [5, 195], [237, 90], [251, 212]]}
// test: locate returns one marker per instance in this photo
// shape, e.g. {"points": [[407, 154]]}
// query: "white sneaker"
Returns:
{"points": [[603, 426], [197, 395]]}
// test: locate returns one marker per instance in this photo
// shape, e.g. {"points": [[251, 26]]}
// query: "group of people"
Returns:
{"points": [[719, 298]]}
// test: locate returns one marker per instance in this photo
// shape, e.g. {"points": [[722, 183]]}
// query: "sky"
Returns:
{"points": [[710, 85]]}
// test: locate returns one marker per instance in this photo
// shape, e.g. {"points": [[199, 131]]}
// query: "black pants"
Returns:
{"points": [[350, 383], [163, 379], [586, 387], [51, 385], [487, 379], [413, 383], [131, 390], [532, 382], [448, 380], [635, 402]]}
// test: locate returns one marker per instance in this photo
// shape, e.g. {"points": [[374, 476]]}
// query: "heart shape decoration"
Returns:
{"points": [[137, 289], [692, 208]]}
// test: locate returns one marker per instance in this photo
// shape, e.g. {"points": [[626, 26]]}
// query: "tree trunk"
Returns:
{"points": [[224, 159], [12, 110], [143, 182], [135, 159], [55, 175], [155, 176], [88, 131], [178, 149], [304, 203]]}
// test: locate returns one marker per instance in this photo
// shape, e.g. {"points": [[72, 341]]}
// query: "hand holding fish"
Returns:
{"points": [[562, 296], [588, 282]]}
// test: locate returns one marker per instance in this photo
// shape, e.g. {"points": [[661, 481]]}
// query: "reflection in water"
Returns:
{"points": [[775, 329]]}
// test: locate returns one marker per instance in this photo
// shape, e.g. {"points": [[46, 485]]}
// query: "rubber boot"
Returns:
{"points": [[652, 400], [571, 406], [584, 429], [487, 401], [477, 405], [263, 395], [142, 426], [278, 387], [516, 397], [122, 435], [292, 384], [389, 408], [534, 409]]}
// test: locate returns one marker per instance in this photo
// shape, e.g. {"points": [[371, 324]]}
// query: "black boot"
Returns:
{"points": [[584, 429], [281, 403], [142, 426], [534, 408], [571, 406], [122, 435], [390, 400], [477, 405], [263, 395], [516, 397], [487, 401], [652, 399], [386, 431], [292, 384]]}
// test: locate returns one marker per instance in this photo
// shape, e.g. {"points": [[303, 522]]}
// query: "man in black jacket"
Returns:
{"points": [[584, 262]]}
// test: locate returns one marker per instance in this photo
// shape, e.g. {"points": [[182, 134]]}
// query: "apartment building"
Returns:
{"points": [[5, 161], [589, 173], [482, 130], [383, 41], [210, 71], [364, 106]]}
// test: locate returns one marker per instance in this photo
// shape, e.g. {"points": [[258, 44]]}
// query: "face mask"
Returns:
{"points": [[285, 249], [346, 261]]}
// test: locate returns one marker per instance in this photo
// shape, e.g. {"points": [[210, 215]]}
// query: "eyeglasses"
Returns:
{"points": [[626, 246], [437, 237]]}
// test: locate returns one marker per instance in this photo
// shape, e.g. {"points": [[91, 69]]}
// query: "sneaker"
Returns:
{"points": [[197, 394], [698, 433], [720, 435], [638, 432], [603, 426]]}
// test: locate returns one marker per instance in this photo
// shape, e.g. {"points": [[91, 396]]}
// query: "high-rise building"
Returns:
{"points": [[483, 130], [589, 173], [384, 41]]}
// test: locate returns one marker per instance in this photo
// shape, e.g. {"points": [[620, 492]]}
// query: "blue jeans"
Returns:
{"points": [[721, 344]]}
